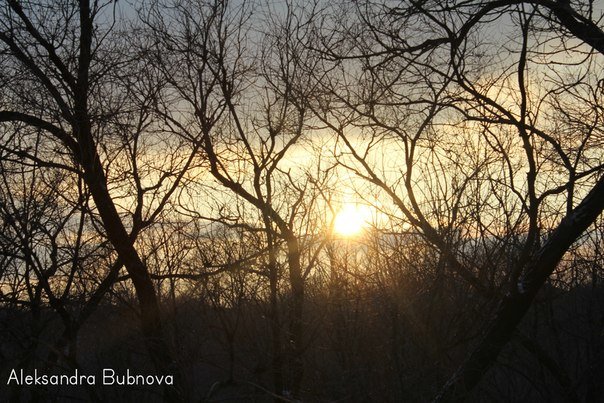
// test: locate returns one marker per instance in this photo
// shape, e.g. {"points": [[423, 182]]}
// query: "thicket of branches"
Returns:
{"points": [[170, 174]]}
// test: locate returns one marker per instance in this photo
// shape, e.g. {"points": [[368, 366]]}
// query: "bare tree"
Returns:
{"points": [[69, 79], [469, 120], [246, 107], [187, 159]]}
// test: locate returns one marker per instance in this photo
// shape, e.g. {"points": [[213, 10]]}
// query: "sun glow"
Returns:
{"points": [[351, 220]]}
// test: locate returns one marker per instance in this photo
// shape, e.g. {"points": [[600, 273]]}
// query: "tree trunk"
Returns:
{"points": [[296, 313], [277, 359], [515, 305], [145, 291]]}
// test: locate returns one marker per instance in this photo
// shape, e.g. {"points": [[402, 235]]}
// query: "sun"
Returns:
{"points": [[351, 220]]}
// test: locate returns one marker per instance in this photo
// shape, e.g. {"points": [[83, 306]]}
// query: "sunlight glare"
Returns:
{"points": [[351, 220]]}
